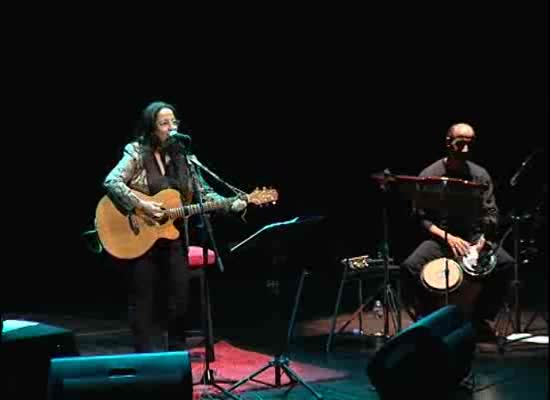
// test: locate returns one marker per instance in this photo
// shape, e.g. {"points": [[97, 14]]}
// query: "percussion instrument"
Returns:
{"points": [[432, 275], [451, 197], [475, 264], [479, 264]]}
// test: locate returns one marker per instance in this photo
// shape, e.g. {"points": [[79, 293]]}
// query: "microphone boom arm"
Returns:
{"points": [[195, 161], [514, 179]]}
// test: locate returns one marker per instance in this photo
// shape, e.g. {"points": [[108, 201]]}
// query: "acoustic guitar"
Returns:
{"points": [[128, 236]]}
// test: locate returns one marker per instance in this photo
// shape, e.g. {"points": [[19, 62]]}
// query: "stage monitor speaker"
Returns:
{"points": [[157, 376], [429, 359], [26, 350]]}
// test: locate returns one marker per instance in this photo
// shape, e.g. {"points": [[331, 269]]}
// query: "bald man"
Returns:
{"points": [[452, 230]]}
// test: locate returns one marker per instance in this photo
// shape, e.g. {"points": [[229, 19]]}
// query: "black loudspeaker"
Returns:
{"points": [[157, 376], [26, 353], [429, 359]]}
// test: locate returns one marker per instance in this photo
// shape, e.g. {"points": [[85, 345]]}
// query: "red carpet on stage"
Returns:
{"points": [[235, 364]]}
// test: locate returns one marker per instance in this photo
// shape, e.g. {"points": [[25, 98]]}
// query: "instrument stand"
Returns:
{"points": [[280, 361], [445, 216], [382, 289], [208, 377], [446, 274], [389, 296], [390, 305], [281, 364], [512, 314], [534, 317]]}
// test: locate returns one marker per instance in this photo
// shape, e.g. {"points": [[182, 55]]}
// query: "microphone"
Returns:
{"points": [[180, 136]]}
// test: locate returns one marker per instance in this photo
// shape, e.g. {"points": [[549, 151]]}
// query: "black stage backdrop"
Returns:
{"points": [[311, 112]]}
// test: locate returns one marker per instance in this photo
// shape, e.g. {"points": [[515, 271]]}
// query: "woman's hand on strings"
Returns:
{"points": [[152, 209]]}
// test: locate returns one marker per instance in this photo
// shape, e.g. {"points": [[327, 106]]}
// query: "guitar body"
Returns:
{"points": [[130, 236]]}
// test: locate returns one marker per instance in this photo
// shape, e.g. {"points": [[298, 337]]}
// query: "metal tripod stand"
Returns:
{"points": [[280, 363], [511, 317], [357, 266], [208, 377], [391, 302], [277, 233], [389, 299]]}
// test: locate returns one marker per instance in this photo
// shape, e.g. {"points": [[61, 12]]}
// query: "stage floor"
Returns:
{"points": [[521, 371]]}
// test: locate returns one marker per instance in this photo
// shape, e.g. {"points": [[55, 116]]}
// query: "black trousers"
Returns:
{"points": [[162, 273], [488, 297]]}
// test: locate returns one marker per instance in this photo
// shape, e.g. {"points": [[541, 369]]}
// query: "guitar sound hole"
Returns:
{"points": [[148, 221]]}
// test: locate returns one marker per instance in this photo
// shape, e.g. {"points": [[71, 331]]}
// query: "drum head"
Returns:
{"points": [[433, 275]]}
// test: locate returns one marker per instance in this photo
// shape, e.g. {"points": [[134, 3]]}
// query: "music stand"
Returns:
{"points": [[436, 193], [285, 231]]}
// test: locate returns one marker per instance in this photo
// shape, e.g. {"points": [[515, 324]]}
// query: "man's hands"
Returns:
{"points": [[459, 246]]}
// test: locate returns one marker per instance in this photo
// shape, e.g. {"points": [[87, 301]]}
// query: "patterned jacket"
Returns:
{"points": [[130, 173]]}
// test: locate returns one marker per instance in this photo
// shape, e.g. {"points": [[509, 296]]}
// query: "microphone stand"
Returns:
{"points": [[208, 377], [516, 218], [514, 313]]}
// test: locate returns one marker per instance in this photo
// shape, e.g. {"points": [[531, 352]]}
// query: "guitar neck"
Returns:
{"points": [[194, 209]]}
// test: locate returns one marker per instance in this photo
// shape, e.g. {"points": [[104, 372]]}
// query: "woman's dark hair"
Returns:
{"points": [[146, 124]]}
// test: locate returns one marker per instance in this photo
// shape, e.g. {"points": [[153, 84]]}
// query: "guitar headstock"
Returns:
{"points": [[263, 196]]}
